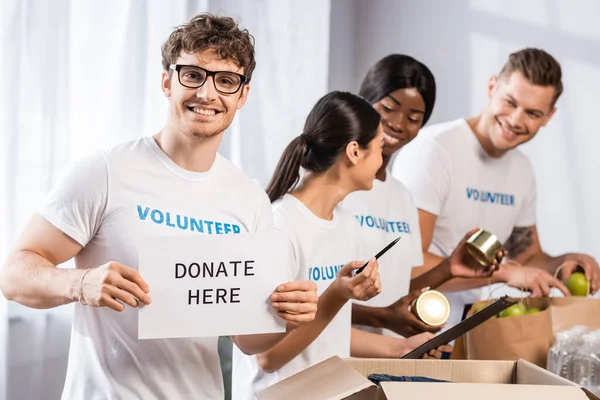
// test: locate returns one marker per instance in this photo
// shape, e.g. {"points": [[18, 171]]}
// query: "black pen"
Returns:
{"points": [[382, 252]]}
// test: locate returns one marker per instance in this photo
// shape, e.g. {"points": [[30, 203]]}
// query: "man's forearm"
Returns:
{"points": [[458, 284], [544, 261], [29, 279]]}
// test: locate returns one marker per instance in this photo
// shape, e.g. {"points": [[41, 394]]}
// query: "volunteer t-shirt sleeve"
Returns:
{"points": [[264, 215], [281, 225], [424, 168], [294, 269], [77, 204], [527, 214]]}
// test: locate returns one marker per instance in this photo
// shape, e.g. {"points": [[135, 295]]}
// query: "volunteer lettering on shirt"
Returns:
{"points": [[185, 223], [490, 197], [381, 223], [324, 273]]}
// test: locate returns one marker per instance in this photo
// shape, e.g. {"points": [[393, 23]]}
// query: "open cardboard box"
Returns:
{"points": [[336, 379]]}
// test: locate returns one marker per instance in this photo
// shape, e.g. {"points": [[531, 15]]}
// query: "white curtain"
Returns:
{"points": [[79, 75]]}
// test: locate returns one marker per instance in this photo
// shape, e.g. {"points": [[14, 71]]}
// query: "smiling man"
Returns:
{"points": [[468, 173], [108, 203]]}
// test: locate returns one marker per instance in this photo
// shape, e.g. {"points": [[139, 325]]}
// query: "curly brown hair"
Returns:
{"points": [[206, 31], [539, 67]]}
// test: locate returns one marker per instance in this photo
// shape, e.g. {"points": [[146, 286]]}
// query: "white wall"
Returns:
{"points": [[464, 42], [342, 38]]}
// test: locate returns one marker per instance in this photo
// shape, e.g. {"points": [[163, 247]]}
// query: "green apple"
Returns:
{"points": [[578, 284], [481, 307], [532, 310], [513, 311]]}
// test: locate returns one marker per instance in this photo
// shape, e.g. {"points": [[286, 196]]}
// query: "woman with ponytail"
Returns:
{"points": [[339, 151]]}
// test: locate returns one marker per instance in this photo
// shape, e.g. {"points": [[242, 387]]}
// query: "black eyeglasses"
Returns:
{"points": [[192, 76]]}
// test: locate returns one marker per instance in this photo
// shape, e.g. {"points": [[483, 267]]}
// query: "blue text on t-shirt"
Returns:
{"points": [[185, 223]]}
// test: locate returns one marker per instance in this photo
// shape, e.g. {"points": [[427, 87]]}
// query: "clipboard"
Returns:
{"points": [[461, 328]]}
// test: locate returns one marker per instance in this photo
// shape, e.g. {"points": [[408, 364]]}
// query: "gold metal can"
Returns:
{"points": [[483, 246], [431, 307]]}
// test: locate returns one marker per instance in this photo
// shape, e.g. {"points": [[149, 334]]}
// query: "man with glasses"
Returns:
{"points": [[100, 213]]}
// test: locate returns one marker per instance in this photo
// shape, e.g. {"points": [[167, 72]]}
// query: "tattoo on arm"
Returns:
{"points": [[519, 241]]}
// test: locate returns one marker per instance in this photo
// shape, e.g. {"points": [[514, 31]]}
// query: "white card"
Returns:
{"points": [[212, 285]]}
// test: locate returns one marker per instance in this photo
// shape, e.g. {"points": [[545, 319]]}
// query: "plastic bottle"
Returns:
{"points": [[585, 370], [568, 351], [554, 354]]}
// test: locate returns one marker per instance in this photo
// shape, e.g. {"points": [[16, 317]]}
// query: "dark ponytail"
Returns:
{"points": [[287, 172], [337, 119]]}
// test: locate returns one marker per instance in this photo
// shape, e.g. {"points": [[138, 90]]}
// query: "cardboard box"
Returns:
{"points": [[336, 379]]}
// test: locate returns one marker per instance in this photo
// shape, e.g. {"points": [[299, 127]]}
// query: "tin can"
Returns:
{"points": [[431, 307], [483, 246]]}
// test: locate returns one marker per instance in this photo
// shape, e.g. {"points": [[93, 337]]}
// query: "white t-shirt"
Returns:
{"points": [[108, 203], [321, 248], [450, 175], [384, 213]]}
